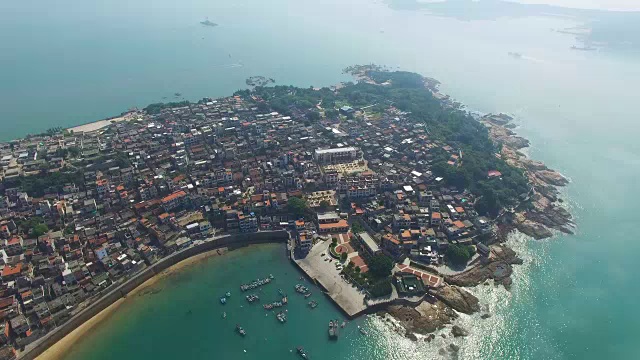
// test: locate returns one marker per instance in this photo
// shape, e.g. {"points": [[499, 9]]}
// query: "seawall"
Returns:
{"points": [[231, 241]]}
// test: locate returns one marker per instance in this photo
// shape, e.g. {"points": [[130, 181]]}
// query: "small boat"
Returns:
{"points": [[228, 293], [302, 353], [281, 292], [282, 317], [285, 300], [271, 276], [240, 330], [333, 329], [223, 300], [344, 323], [307, 295], [224, 315], [362, 331], [313, 304]]}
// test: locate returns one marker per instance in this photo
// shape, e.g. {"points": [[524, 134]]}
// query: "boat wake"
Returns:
{"points": [[228, 66]]}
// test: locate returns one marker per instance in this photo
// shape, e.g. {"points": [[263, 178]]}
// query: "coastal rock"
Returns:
{"points": [[430, 338], [458, 331], [485, 316], [498, 268], [411, 336], [424, 318], [454, 348], [551, 177], [458, 299], [533, 229]]}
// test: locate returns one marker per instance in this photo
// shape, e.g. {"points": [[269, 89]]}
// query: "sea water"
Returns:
{"points": [[574, 298]]}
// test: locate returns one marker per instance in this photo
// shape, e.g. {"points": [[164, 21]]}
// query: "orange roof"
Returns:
{"points": [[299, 222], [340, 224], [393, 239], [459, 209], [163, 216], [175, 195], [436, 215], [406, 234], [13, 241], [9, 270], [459, 224]]}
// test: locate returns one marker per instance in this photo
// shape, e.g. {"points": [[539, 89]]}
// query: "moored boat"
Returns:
{"points": [[302, 353], [333, 329], [223, 300], [240, 330]]}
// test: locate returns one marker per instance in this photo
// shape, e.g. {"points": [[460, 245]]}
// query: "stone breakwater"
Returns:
{"points": [[228, 241]]}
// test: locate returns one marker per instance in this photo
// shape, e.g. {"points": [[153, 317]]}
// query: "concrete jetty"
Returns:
{"points": [[348, 298]]}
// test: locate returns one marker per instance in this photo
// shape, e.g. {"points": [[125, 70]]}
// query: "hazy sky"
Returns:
{"points": [[590, 4]]}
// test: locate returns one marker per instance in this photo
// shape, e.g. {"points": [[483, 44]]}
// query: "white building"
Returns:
{"points": [[344, 154]]}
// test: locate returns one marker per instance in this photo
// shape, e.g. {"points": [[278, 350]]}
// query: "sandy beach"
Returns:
{"points": [[60, 349], [96, 125]]}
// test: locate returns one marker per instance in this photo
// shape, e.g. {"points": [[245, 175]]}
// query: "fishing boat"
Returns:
{"points": [[302, 353], [255, 284], [282, 317], [344, 323], [223, 300], [333, 329], [285, 300], [252, 298], [313, 304], [240, 330]]}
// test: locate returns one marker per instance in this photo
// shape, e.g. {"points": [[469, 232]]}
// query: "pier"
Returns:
{"points": [[344, 295]]}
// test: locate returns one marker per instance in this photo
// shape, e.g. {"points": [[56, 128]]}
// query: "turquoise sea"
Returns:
{"points": [[73, 61]]}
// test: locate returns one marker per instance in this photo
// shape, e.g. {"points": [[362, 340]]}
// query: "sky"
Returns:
{"points": [[628, 5]]}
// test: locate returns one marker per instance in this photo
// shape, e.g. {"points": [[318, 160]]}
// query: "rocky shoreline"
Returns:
{"points": [[538, 215], [546, 212]]}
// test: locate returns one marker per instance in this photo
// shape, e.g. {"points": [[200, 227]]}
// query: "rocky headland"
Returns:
{"points": [[545, 212]]}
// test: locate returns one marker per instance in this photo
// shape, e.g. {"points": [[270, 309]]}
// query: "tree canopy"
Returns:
{"points": [[459, 254], [380, 266]]}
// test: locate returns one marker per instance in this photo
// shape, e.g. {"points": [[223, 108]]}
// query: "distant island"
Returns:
{"points": [[208, 23], [259, 81]]}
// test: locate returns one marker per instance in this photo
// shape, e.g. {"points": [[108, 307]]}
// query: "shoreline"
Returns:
{"points": [[63, 347], [99, 124]]}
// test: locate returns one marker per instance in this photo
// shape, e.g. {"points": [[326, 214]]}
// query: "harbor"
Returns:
{"points": [[198, 290]]}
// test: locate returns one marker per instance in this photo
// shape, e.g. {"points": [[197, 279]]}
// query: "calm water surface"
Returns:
{"points": [[574, 298]]}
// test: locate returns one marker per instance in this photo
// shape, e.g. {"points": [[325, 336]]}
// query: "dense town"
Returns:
{"points": [[83, 211]]}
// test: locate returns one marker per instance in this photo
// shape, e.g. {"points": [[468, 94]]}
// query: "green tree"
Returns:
{"points": [[357, 228], [324, 204], [298, 207], [459, 254], [381, 288], [380, 266], [343, 257], [40, 230]]}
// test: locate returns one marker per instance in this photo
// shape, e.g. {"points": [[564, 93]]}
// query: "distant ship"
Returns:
{"points": [[208, 23], [584, 48], [516, 55]]}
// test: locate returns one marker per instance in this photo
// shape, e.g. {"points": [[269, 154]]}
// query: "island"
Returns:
{"points": [[389, 195]]}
